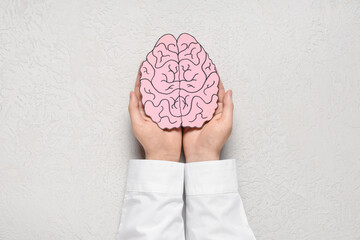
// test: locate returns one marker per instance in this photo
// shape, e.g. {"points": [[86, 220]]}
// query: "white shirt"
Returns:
{"points": [[153, 202]]}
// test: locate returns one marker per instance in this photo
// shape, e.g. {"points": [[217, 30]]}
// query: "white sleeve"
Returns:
{"points": [[153, 203], [214, 209]]}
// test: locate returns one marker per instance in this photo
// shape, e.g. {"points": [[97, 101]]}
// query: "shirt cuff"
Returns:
{"points": [[155, 176], [211, 177]]}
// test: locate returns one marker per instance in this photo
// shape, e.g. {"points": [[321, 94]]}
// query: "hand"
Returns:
{"points": [[201, 144], [158, 144]]}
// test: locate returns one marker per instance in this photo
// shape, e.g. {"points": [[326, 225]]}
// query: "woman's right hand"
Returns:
{"points": [[201, 144]]}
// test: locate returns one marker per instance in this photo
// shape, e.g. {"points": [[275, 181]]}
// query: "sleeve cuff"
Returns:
{"points": [[155, 176], [211, 177]]}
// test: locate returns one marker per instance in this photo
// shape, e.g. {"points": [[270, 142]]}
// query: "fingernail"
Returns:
{"points": [[130, 95], [230, 93]]}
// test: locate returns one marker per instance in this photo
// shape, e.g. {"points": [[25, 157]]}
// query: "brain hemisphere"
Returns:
{"points": [[179, 83]]}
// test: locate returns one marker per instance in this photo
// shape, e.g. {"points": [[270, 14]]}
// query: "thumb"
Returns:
{"points": [[134, 108], [228, 108]]}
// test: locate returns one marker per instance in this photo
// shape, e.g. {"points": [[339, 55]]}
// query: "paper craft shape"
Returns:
{"points": [[179, 83]]}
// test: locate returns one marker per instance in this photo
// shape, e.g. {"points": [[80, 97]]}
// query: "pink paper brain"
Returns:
{"points": [[179, 83]]}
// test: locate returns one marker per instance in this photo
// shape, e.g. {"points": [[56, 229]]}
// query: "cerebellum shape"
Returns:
{"points": [[179, 83]]}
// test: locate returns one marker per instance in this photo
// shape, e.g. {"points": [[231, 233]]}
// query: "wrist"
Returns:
{"points": [[203, 156], [162, 156]]}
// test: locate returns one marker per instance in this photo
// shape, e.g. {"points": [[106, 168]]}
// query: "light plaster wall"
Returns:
{"points": [[66, 69]]}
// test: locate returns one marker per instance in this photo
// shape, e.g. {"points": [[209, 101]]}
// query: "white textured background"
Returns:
{"points": [[66, 68]]}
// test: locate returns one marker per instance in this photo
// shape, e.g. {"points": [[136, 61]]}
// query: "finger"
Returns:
{"points": [[220, 100], [142, 111], [219, 108], [137, 83], [134, 108], [138, 93], [221, 92], [228, 107]]}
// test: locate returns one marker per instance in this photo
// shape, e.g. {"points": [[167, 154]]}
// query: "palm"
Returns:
{"points": [[171, 139]]}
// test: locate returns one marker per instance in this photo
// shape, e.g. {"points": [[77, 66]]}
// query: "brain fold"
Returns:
{"points": [[179, 83]]}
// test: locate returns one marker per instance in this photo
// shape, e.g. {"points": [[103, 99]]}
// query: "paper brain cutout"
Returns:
{"points": [[179, 83]]}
